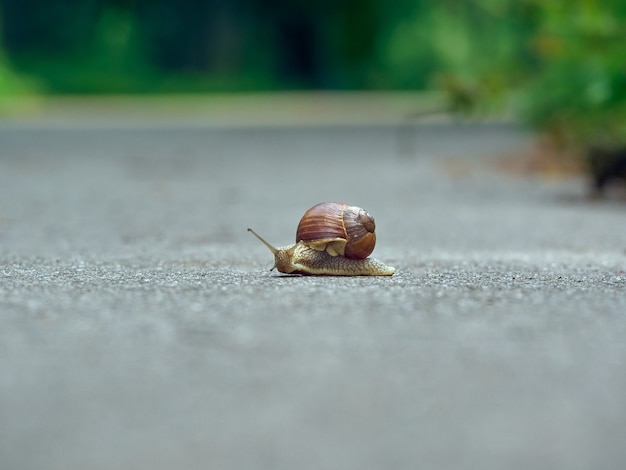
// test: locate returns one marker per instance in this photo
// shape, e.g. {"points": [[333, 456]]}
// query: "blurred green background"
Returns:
{"points": [[559, 64]]}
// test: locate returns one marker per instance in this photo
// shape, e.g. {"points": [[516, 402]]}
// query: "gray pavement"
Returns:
{"points": [[140, 326]]}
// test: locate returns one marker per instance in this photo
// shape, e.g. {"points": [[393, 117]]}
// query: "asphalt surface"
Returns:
{"points": [[140, 326]]}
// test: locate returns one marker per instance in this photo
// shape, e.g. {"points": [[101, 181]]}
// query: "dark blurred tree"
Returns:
{"points": [[192, 35], [33, 27], [324, 44], [68, 43]]}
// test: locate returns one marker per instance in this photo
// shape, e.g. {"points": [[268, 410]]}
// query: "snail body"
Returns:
{"points": [[333, 239]]}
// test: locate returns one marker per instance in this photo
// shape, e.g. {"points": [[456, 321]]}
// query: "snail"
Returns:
{"points": [[333, 239]]}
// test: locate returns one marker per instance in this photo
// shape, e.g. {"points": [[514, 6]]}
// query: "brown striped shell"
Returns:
{"points": [[339, 229]]}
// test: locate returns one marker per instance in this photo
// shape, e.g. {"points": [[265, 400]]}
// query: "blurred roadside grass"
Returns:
{"points": [[18, 94], [218, 109]]}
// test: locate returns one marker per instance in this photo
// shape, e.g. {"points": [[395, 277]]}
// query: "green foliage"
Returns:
{"points": [[11, 83], [16, 90], [560, 64], [477, 48], [579, 90]]}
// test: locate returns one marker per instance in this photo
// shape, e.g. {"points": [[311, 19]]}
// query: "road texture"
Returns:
{"points": [[140, 326]]}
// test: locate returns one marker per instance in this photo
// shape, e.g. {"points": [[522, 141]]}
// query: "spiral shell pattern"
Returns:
{"points": [[332, 222]]}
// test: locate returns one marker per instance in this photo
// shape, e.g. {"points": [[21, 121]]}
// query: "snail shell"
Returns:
{"points": [[339, 229]]}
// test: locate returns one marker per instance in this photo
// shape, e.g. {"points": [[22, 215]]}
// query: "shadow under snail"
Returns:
{"points": [[333, 239]]}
